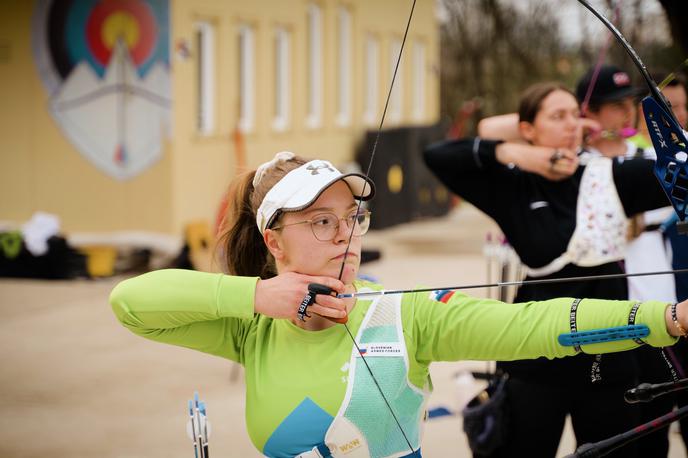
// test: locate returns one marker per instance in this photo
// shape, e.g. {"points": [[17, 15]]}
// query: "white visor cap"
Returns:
{"points": [[302, 186]]}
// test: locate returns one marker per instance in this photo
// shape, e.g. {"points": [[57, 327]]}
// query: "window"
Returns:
{"points": [[418, 111], [344, 67], [315, 74], [282, 79], [246, 78], [372, 80], [396, 102], [205, 77]]}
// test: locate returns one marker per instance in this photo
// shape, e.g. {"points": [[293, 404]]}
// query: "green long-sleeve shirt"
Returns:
{"points": [[298, 377]]}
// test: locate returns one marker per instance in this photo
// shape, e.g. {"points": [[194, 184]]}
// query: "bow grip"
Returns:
{"points": [[671, 147]]}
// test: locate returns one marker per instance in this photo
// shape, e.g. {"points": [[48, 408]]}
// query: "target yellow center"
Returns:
{"points": [[120, 25]]}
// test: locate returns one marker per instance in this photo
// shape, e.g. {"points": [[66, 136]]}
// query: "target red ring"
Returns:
{"points": [[141, 12]]}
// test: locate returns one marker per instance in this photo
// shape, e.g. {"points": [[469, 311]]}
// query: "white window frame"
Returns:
{"points": [[372, 80], [418, 97], [205, 36], [396, 102], [315, 71], [282, 79], [247, 71], [282, 106], [343, 117]]}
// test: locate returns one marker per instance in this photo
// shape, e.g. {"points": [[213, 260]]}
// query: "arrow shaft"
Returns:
{"points": [[513, 283]]}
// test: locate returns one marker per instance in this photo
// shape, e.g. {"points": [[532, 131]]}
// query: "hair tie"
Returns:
{"points": [[282, 156]]}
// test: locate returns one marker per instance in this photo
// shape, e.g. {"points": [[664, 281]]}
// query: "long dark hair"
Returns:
{"points": [[532, 97], [243, 249]]}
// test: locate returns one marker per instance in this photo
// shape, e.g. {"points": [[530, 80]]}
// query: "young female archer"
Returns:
{"points": [[309, 388]]}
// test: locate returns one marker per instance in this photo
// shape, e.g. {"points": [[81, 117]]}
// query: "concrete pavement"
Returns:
{"points": [[76, 384]]}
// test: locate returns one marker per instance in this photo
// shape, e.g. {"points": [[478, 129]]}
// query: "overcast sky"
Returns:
{"points": [[569, 12]]}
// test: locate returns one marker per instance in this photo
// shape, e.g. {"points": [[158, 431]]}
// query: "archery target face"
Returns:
{"points": [[105, 64]]}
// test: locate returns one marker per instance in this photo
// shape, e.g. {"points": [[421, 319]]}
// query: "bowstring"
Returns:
{"points": [[355, 222]]}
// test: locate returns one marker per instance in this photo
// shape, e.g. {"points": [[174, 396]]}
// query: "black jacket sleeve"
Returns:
{"points": [[469, 168], [639, 189]]}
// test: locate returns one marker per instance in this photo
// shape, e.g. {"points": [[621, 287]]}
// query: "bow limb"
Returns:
{"points": [[668, 137]]}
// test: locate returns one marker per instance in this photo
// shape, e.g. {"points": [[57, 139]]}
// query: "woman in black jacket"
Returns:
{"points": [[563, 219]]}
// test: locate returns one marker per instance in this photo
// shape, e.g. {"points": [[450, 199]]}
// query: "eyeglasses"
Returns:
{"points": [[326, 225]]}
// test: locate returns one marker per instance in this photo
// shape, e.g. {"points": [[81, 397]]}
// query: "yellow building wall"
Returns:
{"points": [[43, 171]]}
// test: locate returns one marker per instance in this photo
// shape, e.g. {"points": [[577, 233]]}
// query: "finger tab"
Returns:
{"points": [[319, 288], [307, 301]]}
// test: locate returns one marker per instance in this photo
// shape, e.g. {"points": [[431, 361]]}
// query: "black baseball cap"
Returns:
{"points": [[611, 84]]}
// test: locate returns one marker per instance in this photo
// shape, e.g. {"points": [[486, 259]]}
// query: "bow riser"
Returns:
{"points": [[671, 168]]}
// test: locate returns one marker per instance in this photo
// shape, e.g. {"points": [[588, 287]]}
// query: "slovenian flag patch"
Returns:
{"points": [[441, 295]]}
